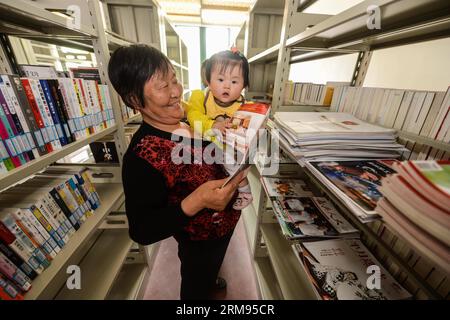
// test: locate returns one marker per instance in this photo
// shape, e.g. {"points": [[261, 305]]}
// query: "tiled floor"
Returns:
{"points": [[164, 282]]}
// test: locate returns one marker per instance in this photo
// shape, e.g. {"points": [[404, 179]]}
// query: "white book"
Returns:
{"points": [[432, 114], [414, 110], [394, 102], [440, 119], [383, 107], [417, 123], [375, 105], [403, 110]]}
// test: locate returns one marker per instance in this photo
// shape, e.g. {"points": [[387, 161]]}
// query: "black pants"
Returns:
{"points": [[200, 265]]}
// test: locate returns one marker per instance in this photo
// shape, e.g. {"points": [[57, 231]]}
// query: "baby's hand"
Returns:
{"points": [[221, 125]]}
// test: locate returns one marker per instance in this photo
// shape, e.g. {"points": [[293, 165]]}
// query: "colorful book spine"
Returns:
{"points": [[28, 115], [19, 247], [61, 108], [15, 89], [32, 231], [8, 290], [11, 224], [40, 228], [53, 113], [17, 260], [8, 136], [18, 122], [70, 215], [8, 269], [37, 114]]}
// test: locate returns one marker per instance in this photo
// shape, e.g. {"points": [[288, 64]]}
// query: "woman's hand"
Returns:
{"points": [[210, 195]]}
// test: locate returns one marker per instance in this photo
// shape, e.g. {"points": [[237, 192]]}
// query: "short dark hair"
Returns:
{"points": [[225, 59], [129, 68]]}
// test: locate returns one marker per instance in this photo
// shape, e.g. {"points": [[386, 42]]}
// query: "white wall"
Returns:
{"points": [[420, 66], [320, 71]]}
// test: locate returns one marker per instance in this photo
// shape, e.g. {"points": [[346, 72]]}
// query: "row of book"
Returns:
{"points": [[415, 204], [320, 136], [310, 93], [423, 113], [37, 219], [39, 116]]}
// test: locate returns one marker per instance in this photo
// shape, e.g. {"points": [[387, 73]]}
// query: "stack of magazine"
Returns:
{"points": [[356, 183], [303, 216], [416, 206], [344, 269], [321, 136]]}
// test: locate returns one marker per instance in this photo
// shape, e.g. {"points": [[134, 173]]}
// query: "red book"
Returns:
{"points": [[35, 109]]}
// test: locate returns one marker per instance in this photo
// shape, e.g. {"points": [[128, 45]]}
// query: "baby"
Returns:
{"points": [[209, 111]]}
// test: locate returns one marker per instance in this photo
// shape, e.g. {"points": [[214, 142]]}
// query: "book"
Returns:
{"points": [[311, 218], [339, 271], [356, 183], [241, 137], [285, 187]]}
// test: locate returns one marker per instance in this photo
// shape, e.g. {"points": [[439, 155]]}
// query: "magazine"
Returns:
{"points": [[328, 124], [358, 180], [285, 187], [241, 137], [339, 270], [310, 217]]}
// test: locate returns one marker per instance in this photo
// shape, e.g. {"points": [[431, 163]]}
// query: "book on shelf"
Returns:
{"points": [[42, 115], [339, 270], [38, 218], [312, 136], [310, 218], [310, 93], [416, 207], [286, 187], [8, 290], [356, 183], [423, 113]]}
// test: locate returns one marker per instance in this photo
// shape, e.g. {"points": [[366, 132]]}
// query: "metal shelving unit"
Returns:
{"points": [[103, 253], [403, 22]]}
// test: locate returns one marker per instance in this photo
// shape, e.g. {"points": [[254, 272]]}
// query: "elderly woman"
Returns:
{"points": [[164, 197]]}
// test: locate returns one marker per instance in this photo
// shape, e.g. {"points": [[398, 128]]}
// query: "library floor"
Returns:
{"points": [[164, 282]]}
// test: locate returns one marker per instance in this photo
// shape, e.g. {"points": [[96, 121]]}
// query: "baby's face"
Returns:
{"points": [[226, 85]]}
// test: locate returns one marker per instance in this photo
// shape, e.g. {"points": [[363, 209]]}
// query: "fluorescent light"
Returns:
{"points": [[70, 57], [223, 17]]}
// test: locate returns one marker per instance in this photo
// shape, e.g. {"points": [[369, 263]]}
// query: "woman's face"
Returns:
{"points": [[162, 97]]}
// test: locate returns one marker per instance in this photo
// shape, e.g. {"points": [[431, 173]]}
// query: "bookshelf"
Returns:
{"points": [[112, 265], [404, 22]]}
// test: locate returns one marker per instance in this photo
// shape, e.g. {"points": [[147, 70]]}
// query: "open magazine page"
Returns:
{"points": [[241, 137]]}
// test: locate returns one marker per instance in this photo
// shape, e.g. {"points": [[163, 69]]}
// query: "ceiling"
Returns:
{"points": [[207, 12]]}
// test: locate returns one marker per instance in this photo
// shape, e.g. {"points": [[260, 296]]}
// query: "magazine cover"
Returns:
{"points": [[359, 180], [308, 222], [283, 187], [314, 217], [339, 268]]}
